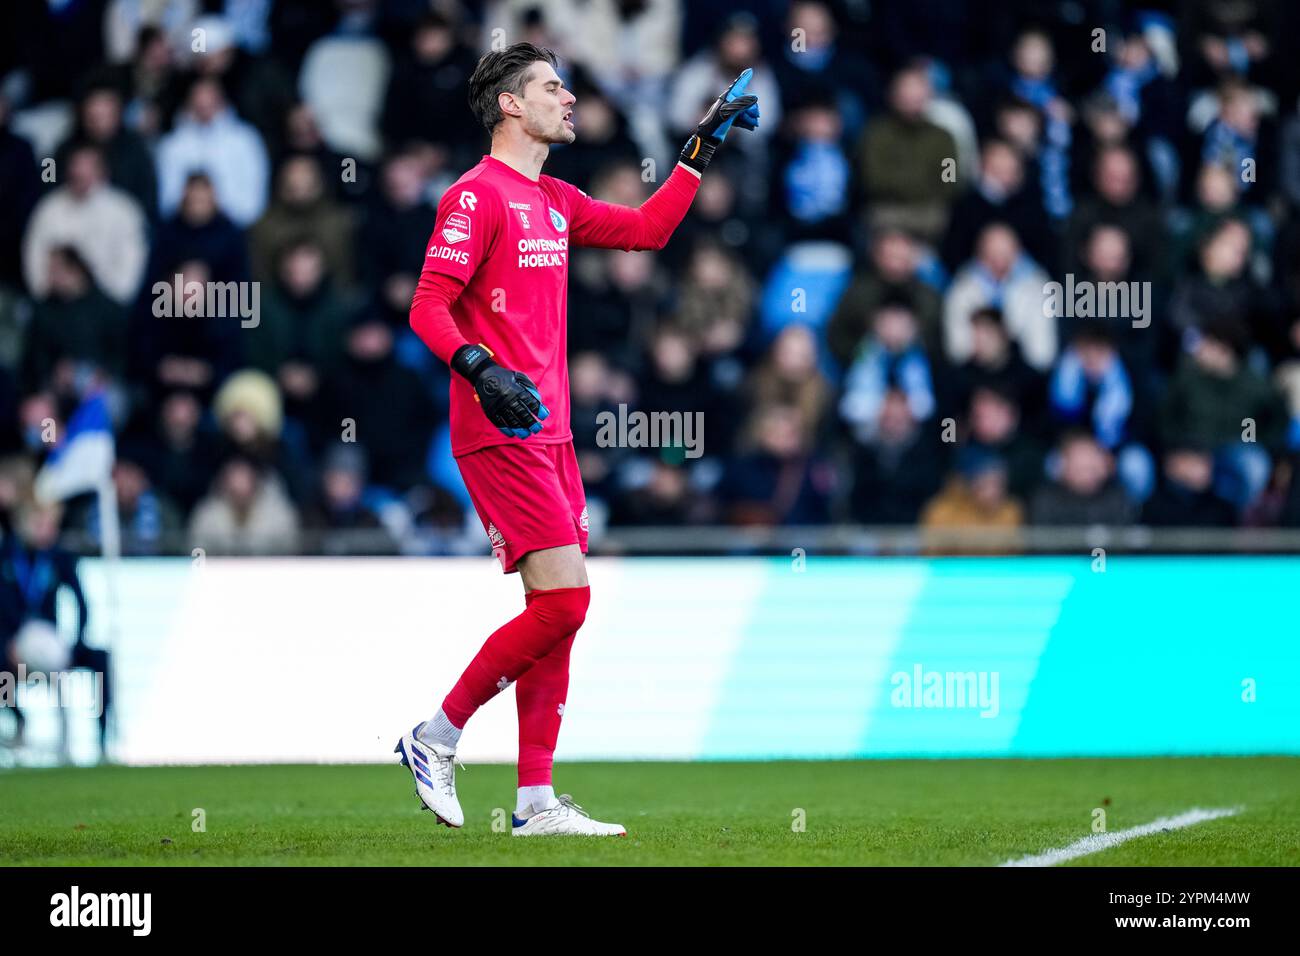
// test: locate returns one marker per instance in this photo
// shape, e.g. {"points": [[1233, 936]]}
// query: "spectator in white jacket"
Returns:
{"points": [[103, 223], [1000, 275], [211, 138]]}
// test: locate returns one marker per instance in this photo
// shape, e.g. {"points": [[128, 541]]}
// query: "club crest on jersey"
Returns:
{"points": [[557, 220], [456, 228]]}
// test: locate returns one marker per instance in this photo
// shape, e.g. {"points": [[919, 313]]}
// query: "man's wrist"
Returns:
{"points": [[697, 153], [469, 361]]}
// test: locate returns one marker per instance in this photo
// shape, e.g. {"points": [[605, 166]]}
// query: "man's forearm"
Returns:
{"points": [[664, 211], [649, 226], [431, 317]]}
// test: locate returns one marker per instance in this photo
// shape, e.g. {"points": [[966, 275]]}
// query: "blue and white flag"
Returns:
{"points": [[83, 461]]}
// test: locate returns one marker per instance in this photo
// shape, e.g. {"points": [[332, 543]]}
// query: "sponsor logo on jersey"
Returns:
{"points": [[519, 205], [542, 252], [455, 255], [456, 228], [468, 200], [523, 217], [557, 220]]}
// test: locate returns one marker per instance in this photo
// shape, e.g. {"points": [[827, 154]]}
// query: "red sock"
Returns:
{"points": [[550, 617], [540, 695]]}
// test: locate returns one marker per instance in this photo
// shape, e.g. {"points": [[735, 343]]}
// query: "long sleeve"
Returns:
{"points": [[38, 241], [124, 252], [463, 238], [431, 317], [611, 226]]}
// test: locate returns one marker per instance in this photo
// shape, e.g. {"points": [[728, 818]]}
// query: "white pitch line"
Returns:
{"points": [[1104, 841]]}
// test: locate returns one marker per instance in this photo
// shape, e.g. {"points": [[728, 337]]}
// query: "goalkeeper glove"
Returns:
{"points": [[510, 399], [734, 105]]}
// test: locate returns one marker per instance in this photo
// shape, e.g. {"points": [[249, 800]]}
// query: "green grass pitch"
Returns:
{"points": [[874, 812]]}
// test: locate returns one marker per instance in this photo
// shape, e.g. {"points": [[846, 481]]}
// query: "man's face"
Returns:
{"points": [[1021, 126], [302, 270], [997, 249], [1240, 112], [1191, 469], [547, 106], [403, 182], [988, 342], [180, 414], [86, 172], [239, 484], [1226, 254], [895, 417], [1117, 178], [102, 114], [910, 94], [41, 527], [300, 183], [1002, 168], [1033, 56], [993, 419], [1215, 357], [895, 257], [816, 22], [131, 482], [895, 328], [1085, 468], [199, 203], [737, 48], [205, 101], [1108, 253], [989, 488], [1215, 187], [1096, 358], [431, 44]]}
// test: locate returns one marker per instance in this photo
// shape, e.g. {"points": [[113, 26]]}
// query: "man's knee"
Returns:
{"points": [[561, 610]]}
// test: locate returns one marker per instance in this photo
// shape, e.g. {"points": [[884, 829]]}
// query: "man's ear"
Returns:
{"points": [[508, 105]]}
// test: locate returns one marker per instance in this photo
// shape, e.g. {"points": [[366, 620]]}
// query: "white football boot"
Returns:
{"points": [[434, 769], [565, 818]]}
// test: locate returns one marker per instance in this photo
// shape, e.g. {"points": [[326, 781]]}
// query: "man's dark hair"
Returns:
{"points": [[1093, 332], [1074, 434], [502, 71], [1230, 332]]}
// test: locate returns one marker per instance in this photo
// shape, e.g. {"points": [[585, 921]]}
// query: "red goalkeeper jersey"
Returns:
{"points": [[507, 239]]}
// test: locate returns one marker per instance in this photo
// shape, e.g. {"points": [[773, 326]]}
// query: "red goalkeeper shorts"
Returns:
{"points": [[528, 496]]}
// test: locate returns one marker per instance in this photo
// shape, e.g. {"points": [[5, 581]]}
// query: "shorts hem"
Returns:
{"points": [[543, 546]]}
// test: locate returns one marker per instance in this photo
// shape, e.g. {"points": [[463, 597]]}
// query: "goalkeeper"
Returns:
{"points": [[491, 302]]}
